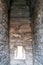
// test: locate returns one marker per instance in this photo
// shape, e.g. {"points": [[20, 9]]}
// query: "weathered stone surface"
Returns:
{"points": [[38, 35], [4, 50]]}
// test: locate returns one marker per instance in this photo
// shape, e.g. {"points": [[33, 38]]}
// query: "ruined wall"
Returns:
{"points": [[20, 34]]}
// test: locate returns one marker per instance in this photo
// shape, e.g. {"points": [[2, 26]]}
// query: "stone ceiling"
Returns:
{"points": [[21, 8]]}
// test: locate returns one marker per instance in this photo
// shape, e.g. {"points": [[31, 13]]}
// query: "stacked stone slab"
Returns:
{"points": [[38, 34], [4, 50]]}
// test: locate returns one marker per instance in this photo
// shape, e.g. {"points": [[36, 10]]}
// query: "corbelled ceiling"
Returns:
{"points": [[21, 8]]}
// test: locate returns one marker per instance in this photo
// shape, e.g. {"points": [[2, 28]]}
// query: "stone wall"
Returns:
{"points": [[38, 34], [4, 50], [20, 35]]}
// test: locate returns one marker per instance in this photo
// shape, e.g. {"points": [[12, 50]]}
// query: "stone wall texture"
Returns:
{"points": [[20, 32], [4, 51], [20, 35], [38, 34]]}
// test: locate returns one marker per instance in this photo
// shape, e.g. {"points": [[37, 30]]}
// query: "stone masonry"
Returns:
{"points": [[38, 34], [25, 29], [20, 35], [20, 32], [4, 50]]}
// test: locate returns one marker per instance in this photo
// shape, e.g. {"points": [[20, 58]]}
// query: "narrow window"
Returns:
{"points": [[19, 52]]}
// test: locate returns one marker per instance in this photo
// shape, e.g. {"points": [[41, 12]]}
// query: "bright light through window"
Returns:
{"points": [[19, 52]]}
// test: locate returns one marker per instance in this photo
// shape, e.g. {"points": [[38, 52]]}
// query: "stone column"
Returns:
{"points": [[4, 50], [38, 34]]}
